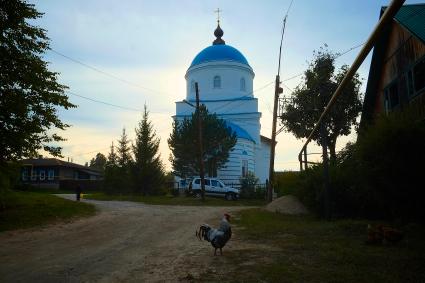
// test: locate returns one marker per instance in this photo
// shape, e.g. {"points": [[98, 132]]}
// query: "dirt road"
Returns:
{"points": [[124, 242]]}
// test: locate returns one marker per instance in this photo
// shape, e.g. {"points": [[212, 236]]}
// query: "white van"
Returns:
{"points": [[214, 187]]}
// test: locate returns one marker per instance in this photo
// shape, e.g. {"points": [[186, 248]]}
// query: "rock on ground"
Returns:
{"points": [[287, 205]]}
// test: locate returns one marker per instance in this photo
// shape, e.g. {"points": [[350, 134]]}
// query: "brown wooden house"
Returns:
{"points": [[55, 173], [397, 71]]}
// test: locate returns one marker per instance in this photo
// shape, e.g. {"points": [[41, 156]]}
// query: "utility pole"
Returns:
{"points": [[201, 151], [277, 90]]}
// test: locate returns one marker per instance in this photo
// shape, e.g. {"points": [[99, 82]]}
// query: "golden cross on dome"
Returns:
{"points": [[218, 14]]}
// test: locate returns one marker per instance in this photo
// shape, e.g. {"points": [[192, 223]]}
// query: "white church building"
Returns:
{"points": [[225, 82]]}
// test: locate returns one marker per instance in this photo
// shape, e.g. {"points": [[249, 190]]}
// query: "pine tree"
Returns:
{"points": [[112, 182], [148, 172], [124, 150], [124, 161]]}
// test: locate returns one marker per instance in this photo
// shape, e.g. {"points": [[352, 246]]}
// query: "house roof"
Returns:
{"points": [[410, 17], [57, 162]]}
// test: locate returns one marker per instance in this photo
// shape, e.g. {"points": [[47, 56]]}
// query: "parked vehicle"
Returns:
{"points": [[214, 187]]}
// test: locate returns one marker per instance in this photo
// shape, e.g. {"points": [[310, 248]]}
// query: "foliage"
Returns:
{"points": [[98, 162], [287, 182], [30, 95], [310, 99], [379, 177], [112, 177], [218, 140], [29, 209], [249, 188], [147, 170]]}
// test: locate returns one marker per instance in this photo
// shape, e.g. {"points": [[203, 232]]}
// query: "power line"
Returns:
{"points": [[106, 73], [337, 56], [105, 103]]}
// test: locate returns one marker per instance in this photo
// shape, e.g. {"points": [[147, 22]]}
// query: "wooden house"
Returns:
{"points": [[55, 173], [397, 71]]}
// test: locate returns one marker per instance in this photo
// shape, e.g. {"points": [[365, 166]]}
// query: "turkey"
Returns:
{"points": [[217, 237]]}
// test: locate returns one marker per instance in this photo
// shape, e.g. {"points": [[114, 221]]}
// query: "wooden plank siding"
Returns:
{"points": [[401, 52]]}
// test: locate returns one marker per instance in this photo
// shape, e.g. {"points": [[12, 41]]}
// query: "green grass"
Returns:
{"points": [[304, 249], [29, 209], [170, 200]]}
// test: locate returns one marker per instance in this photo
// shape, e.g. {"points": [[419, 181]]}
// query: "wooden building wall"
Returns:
{"points": [[403, 50]]}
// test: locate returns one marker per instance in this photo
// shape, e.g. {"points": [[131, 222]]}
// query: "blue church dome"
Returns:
{"points": [[220, 52]]}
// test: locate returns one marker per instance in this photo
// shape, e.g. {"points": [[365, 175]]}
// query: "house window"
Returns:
{"points": [[242, 83], [51, 174], [33, 175], [391, 97], [419, 75], [244, 168], [24, 175], [42, 175], [217, 82]]}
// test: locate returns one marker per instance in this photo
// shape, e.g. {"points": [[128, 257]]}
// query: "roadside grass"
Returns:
{"points": [[172, 200], [305, 249], [29, 209]]}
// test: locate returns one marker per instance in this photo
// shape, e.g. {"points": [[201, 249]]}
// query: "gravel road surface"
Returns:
{"points": [[124, 242]]}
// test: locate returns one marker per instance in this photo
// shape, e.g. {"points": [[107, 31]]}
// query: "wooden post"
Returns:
{"points": [[201, 151], [273, 143], [305, 158]]}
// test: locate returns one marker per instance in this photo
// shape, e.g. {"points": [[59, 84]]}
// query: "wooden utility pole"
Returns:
{"points": [[201, 151], [277, 91]]}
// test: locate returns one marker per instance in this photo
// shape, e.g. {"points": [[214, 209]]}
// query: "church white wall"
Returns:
{"points": [[243, 150], [262, 157], [230, 74]]}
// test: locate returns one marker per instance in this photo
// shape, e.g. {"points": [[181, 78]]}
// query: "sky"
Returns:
{"points": [[132, 53]]}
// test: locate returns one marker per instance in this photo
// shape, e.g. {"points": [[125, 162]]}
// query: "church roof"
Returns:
{"points": [[219, 53], [240, 132]]}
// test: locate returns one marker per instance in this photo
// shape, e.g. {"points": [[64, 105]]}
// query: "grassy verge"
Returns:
{"points": [[304, 249], [170, 200], [28, 209]]}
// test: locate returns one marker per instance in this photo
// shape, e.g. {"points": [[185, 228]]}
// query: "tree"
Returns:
{"points": [[148, 172], [112, 181], [310, 99], [218, 140], [98, 162], [124, 150], [125, 162], [30, 95]]}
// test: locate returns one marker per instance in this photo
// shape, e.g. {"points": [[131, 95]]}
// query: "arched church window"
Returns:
{"points": [[217, 82], [243, 87], [192, 86]]}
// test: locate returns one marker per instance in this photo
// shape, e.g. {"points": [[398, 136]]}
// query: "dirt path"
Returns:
{"points": [[124, 242]]}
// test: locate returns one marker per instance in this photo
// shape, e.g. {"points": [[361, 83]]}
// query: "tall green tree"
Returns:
{"points": [[30, 95], [112, 177], [148, 172], [124, 158], [310, 98], [98, 162], [125, 161], [218, 140]]}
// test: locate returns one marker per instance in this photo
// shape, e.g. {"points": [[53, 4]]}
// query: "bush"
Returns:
{"points": [[379, 177], [250, 188], [287, 183]]}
